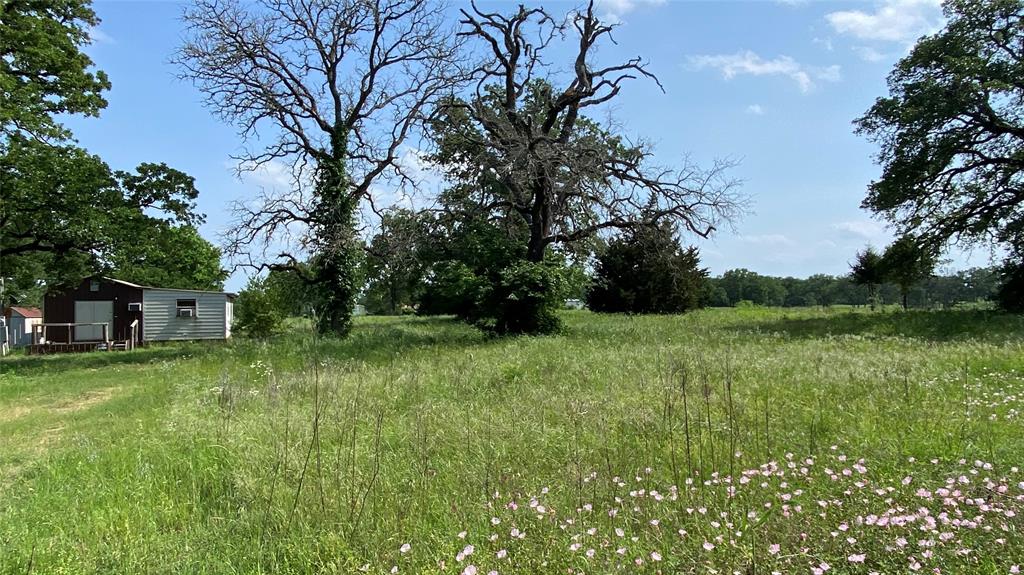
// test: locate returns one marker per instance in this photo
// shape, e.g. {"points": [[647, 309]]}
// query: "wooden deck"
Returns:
{"points": [[76, 347], [42, 346]]}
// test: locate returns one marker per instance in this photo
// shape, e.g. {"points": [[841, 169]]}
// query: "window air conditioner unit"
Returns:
{"points": [[186, 312], [136, 306]]}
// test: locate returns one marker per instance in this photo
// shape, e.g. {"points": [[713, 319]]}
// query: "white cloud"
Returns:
{"points": [[862, 230], [825, 42], [97, 36], [755, 109], [871, 54], [613, 10], [768, 240], [900, 21], [750, 63]]}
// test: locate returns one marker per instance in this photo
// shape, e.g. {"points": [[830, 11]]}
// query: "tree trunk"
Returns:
{"points": [[535, 249], [904, 294], [335, 235]]}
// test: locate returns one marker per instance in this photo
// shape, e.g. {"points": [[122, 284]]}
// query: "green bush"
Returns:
{"points": [[452, 289], [1010, 295], [256, 310], [525, 299], [648, 271]]}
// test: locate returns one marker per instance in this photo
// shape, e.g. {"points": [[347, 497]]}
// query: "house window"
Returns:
{"points": [[186, 308], [94, 285]]}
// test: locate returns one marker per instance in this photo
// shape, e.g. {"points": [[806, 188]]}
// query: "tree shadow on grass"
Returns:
{"points": [[937, 326], [375, 340], [26, 365]]}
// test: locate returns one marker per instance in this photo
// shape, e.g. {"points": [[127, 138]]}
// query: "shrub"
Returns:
{"points": [[1010, 294], [525, 299], [648, 271], [452, 289], [256, 311]]}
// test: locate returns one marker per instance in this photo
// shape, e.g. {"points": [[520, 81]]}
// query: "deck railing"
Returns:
{"points": [[39, 332], [134, 331]]}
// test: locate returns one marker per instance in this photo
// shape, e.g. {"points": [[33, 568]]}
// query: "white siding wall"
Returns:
{"points": [[161, 323]]}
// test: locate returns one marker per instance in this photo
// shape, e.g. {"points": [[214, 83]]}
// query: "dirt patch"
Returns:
{"points": [[8, 414], [84, 401]]}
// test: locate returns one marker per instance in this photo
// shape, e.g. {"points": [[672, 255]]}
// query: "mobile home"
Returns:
{"points": [[136, 313]]}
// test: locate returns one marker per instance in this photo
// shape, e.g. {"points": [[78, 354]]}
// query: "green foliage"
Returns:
{"points": [[43, 72], [743, 284], [66, 210], [868, 270], [291, 291], [257, 310], [1010, 294], [974, 286], [952, 130], [337, 259], [169, 257], [65, 213], [525, 300], [906, 263], [395, 262], [646, 270], [529, 165], [453, 289]]}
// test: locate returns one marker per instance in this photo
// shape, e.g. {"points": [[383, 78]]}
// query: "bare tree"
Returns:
{"points": [[530, 150], [333, 88]]}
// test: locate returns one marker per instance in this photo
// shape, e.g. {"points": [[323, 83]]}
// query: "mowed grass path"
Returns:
{"points": [[748, 440]]}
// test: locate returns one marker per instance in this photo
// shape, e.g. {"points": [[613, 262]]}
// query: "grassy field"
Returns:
{"points": [[723, 441]]}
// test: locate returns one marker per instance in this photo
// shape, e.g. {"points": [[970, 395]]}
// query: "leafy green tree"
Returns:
{"points": [[714, 294], [394, 262], [67, 209], [257, 312], [868, 270], [291, 292], [341, 86], [526, 139], [951, 131], [907, 264], [43, 72], [170, 257], [464, 252], [64, 213], [526, 146], [745, 285], [1010, 294], [525, 299], [21, 281], [646, 270]]}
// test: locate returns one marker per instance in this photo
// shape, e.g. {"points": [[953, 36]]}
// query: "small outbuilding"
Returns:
{"points": [[19, 324], [112, 311]]}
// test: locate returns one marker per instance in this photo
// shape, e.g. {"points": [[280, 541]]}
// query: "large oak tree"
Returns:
{"points": [[951, 131], [332, 88], [526, 139], [64, 213], [43, 71]]}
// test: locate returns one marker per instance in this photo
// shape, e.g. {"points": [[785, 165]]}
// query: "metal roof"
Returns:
{"points": [[129, 284], [26, 311]]}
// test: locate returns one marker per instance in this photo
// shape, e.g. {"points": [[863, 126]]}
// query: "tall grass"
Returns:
{"points": [[720, 441]]}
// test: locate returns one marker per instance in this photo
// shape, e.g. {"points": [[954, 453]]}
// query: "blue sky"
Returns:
{"points": [[774, 84]]}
